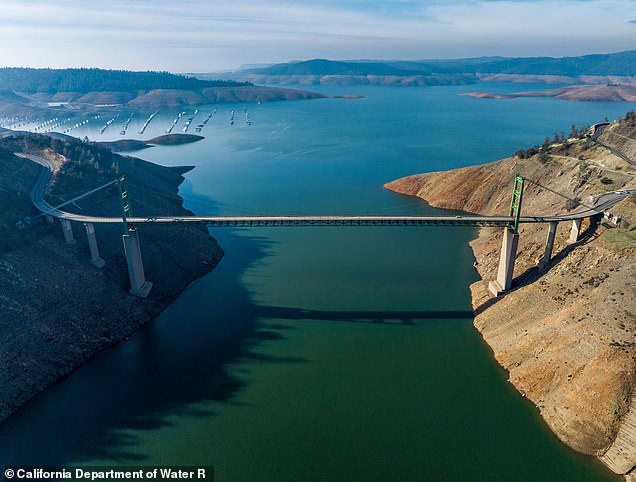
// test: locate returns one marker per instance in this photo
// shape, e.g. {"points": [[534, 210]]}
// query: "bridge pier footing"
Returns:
{"points": [[67, 229], [549, 245], [92, 245], [576, 230], [506, 263], [138, 284]]}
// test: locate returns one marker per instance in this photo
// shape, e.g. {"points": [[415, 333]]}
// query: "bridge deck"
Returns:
{"points": [[37, 196]]}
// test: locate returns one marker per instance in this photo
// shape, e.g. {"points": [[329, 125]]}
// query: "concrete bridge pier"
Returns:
{"points": [[506, 263], [92, 244], [138, 284], [49, 218], [576, 230], [549, 245], [67, 229]]}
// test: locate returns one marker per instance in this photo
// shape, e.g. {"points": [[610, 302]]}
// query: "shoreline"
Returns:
{"points": [[589, 93], [66, 330], [18, 389], [563, 333], [617, 457]]}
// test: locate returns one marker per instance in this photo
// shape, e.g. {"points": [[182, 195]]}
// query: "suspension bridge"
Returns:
{"points": [[141, 287]]}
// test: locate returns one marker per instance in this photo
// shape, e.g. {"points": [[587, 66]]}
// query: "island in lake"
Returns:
{"points": [[136, 145]]}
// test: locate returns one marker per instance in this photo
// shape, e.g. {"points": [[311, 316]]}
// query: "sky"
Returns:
{"points": [[221, 35]]}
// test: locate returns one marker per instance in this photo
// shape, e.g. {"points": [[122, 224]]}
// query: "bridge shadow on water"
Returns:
{"points": [[179, 365], [169, 368], [375, 317]]}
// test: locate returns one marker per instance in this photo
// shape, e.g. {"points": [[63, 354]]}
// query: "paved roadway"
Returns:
{"points": [[598, 131], [604, 202]]}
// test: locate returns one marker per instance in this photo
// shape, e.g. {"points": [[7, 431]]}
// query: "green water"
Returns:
{"points": [[340, 354]]}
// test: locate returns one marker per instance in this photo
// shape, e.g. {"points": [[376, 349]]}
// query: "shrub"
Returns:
{"points": [[527, 153], [572, 203]]}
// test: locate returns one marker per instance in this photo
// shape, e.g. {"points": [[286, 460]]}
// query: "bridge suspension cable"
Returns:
{"points": [[511, 221], [564, 196]]}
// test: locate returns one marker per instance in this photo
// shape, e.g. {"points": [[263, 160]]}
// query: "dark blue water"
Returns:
{"points": [[336, 354]]}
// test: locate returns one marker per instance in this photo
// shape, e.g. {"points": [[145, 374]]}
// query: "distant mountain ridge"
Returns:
{"points": [[613, 72], [333, 67], [621, 63], [616, 64]]}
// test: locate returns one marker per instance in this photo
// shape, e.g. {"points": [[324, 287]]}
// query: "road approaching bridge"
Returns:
{"points": [[141, 287]]}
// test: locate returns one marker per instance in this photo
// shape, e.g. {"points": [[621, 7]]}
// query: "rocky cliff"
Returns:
{"points": [[566, 333], [56, 309]]}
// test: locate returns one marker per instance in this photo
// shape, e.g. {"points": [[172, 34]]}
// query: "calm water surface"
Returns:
{"points": [[337, 354]]}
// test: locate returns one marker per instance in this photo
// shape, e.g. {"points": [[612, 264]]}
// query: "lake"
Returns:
{"points": [[338, 353]]}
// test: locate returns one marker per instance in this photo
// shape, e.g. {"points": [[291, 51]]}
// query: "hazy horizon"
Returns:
{"points": [[213, 36]]}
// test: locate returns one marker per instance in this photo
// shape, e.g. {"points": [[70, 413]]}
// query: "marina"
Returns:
{"points": [[70, 124], [124, 128], [148, 120]]}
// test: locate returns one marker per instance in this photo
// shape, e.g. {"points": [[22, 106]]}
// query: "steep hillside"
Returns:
{"points": [[56, 309], [567, 335], [15, 184]]}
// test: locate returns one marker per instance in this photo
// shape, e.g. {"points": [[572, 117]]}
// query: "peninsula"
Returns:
{"points": [[566, 332], [25, 91]]}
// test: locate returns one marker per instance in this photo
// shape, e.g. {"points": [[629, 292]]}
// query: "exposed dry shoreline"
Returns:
{"points": [[566, 336], [605, 92]]}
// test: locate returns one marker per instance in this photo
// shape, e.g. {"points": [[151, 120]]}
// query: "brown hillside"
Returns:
{"points": [[607, 93], [567, 336]]}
